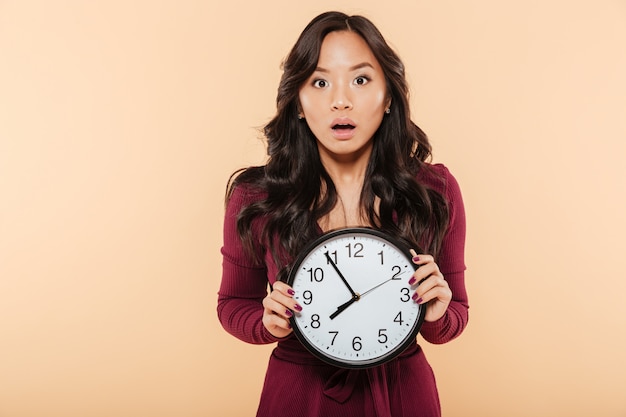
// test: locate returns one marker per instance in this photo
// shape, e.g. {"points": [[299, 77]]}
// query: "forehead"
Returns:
{"points": [[344, 49]]}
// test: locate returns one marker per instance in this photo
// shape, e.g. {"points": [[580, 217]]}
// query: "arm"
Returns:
{"points": [[244, 283], [451, 263]]}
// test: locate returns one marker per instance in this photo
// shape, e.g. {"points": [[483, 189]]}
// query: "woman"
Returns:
{"points": [[343, 152]]}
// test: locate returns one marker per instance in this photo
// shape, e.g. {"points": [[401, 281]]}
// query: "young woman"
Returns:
{"points": [[343, 152]]}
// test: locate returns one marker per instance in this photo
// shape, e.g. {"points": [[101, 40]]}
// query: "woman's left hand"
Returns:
{"points": [[431, 288]]}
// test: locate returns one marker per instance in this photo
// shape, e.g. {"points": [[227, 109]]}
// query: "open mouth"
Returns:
{"points": [[342, 127], [344, 130]]}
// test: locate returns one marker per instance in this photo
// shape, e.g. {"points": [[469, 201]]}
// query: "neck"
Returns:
{"points": [[346, 173], [348, 180]]}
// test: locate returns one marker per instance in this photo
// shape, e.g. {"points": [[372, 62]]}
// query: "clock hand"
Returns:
{"points": [[341, 275], [345, 305], [356, 297], [378, 285]]}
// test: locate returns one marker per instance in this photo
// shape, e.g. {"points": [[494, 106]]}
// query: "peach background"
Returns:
{"points": [[120, 122]]}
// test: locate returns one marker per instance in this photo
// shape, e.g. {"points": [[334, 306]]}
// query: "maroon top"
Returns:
{"points": [[297, 383]]}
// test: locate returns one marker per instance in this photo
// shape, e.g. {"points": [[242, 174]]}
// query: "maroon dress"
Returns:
{"points": [[299, 384]]}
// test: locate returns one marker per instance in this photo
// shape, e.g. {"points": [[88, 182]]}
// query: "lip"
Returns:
{"points": [[343, 133]]}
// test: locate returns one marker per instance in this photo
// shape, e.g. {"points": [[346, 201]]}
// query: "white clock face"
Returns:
{"points": [[357, 305]]}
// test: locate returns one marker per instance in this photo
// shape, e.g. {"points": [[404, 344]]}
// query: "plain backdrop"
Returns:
{"points": [[121, 121]]}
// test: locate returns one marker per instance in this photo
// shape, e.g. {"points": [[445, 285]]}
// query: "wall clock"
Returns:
{"points": [[357, 305]]}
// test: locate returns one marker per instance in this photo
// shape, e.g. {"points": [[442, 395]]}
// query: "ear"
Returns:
{"points": [[388, 102]]}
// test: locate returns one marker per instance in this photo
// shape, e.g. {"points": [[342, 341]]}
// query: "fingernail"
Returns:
{"points": [[416, 259], [412, 281], [298, 307], [415, 297], [419, 300], [291, 292], [288, 313]]}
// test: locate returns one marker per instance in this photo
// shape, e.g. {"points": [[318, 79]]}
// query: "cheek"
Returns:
{"points": [[380, 99], [307, 102], [374, 107], [314, 117]]}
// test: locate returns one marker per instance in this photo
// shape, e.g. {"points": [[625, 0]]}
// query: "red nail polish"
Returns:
{"points": [[288, 313], [415, 296], [412, 281], [419, 300], [291, 292], [298, 307], [416, 259]]}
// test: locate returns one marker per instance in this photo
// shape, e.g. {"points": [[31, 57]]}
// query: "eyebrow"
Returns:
{"points": [[352, 68]]}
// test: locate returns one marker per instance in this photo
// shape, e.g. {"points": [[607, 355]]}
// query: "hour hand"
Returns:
{"points": [[345, 305], [340, 275]]}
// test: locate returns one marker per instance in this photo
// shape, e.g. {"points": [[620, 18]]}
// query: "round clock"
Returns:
{"points": [[357, 305]]}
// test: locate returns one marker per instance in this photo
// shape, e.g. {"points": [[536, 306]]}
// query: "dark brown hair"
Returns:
{"points": [[293, 178]]}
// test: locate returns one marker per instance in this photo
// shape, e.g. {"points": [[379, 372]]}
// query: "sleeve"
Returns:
{"points": [[451, 262], [244, 283]]}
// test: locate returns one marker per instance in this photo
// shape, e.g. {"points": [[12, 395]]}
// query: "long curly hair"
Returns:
{"points": [[297, 189]]}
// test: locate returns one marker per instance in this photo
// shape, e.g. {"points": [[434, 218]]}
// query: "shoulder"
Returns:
{"points": [[246, 187], [244, 194], [439, 178]]}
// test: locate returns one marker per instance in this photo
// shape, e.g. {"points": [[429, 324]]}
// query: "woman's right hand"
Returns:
{"points": [[278, 307]]}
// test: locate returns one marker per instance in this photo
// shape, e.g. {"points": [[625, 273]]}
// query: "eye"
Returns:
{"points": [[320, 83], [362, 80]]}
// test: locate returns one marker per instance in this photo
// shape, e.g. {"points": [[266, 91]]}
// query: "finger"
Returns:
{"points": [[272, 319], [437, 294], [277, 325], [273, 306], [421, 259], [283, 294], [424, 272], [283, 288], [435, 287]]}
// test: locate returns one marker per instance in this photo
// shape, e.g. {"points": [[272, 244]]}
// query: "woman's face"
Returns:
{"points": [[344, 100]]}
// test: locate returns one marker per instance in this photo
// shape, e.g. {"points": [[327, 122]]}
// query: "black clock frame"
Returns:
{"points": [[369, 363]]}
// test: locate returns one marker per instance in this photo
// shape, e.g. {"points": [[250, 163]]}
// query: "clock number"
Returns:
{"points": [[332, 342], [397, 271], [334, 254], [356, 343], [398, 319], [358, 248], [308, 297], [405, 295], [382, 259], [315, 321], [382, 337], [316, 274]]}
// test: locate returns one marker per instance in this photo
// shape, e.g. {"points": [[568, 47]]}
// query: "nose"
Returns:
{"points": [[341, 100]]}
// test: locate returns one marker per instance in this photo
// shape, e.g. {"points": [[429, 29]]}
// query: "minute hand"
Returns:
{"points": [[341, 275]]}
